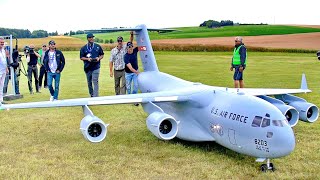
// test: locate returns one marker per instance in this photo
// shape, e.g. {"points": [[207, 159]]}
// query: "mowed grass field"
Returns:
{"points": [[47, 143]]}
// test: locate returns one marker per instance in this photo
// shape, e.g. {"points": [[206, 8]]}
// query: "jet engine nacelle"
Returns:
{"points": [[162, 125], [291, 114], [307, 112], [93, 128]]}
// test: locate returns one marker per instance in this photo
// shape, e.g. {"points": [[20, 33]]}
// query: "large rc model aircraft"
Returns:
{"points": [[246, 120]]}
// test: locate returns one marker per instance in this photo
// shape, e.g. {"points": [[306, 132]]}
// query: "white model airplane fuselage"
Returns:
{"points": [[215, 114], [244, 120]]}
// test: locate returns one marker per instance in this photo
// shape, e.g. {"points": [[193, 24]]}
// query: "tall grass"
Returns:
{"points": [[47, 143]]}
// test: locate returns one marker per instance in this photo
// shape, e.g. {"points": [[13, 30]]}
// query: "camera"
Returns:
{"points": [[28, 50]]}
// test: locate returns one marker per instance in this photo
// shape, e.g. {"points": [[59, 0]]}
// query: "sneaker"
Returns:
{"points": [[136, 104], [51, 98], [55, 99]]}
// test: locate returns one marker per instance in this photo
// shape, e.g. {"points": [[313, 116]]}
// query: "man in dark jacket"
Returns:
{"points": [[32, 60], [54, 63]]}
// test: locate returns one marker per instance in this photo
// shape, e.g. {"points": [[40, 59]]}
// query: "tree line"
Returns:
{"points": [[25, 33], [215, 24]]}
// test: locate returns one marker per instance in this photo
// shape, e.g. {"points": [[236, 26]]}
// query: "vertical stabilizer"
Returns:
{"points": [[304, 82], [146, 52]]}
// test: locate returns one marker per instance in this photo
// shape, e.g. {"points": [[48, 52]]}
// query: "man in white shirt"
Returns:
{"points": [[54, 63], [3, 67], [117, 65]]}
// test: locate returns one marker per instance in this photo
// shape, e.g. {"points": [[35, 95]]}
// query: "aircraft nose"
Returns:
{"points": [[284, 142]]}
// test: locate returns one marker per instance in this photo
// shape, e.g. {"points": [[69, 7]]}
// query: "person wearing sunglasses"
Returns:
{"points": [[91, 54], [42, 73], [117, 65], [239, 62]]}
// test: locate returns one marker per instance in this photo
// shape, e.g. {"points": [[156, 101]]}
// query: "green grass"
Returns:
{"points": [[47, 143], [200, 32]]}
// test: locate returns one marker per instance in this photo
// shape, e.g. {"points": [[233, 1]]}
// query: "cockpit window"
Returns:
{"points": [[265, 122], [256, 121], [277, 123]]}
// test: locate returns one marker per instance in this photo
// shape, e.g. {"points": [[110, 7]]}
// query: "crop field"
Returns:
{"points": [[259, 38], [203, 32], [47, 143]]}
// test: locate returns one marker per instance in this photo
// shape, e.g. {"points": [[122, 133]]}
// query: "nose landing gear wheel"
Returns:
{"points": [[269, 166]]}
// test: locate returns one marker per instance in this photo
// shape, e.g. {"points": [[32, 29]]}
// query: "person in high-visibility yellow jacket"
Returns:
{"points": [[239, 62]]}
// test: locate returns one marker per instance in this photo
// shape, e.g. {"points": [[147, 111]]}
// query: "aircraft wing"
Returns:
{"points": [[270, 91], [169, 96]]}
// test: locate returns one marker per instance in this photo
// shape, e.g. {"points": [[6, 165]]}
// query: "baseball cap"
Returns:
{"points": [[129, 44], [52, 42], [120, 38], [90, 35]]}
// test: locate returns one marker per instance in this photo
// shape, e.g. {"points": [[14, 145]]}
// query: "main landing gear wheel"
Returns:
{"points": [[268, 166]]}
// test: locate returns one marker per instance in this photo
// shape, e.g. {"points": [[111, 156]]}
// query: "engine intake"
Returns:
{"points": [[291, 114], [307, 112], [162, 125], [93, 128]]}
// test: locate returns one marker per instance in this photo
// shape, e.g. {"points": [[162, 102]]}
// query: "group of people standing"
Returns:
{"points": [[123, 66]]}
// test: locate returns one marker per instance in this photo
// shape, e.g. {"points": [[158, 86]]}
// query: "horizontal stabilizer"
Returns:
{"points": [[106, 30]]}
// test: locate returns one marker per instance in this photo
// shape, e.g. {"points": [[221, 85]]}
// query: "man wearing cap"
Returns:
{"points": [[91, 55], [131, 61], [117, 65], [43, 72], [54, 63], [239, 62]]}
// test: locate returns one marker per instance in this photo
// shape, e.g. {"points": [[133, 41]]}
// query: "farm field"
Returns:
{"points": [[280, 37], [47, 143]]}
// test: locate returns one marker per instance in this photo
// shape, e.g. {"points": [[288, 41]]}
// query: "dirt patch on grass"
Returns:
{"points": [[309, 41]]}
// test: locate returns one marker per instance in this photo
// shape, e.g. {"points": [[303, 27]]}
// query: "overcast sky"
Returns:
{"points": [[64, 15]]}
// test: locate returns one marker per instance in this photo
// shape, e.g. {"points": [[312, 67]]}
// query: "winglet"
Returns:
{"points": [[304, 82]]}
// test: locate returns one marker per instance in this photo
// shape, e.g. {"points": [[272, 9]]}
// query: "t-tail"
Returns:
{"points": [[145, 48], [143, 41]]}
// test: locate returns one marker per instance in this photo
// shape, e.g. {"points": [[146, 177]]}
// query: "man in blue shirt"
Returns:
{"points": [[91, 55], [131, 69]]}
